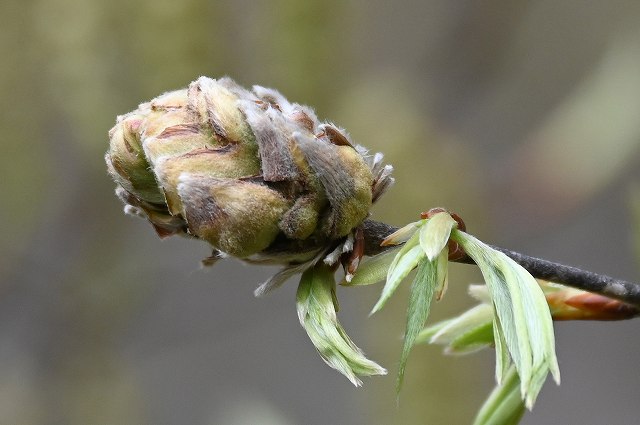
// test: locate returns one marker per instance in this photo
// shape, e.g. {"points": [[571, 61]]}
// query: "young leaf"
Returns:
{"points": [[442, 264], [522, 325], [403, 234], [434, 234], [474, 340], [279, 278], [470, 319], [504, 406], [317, 314], [373, 270], [503, 361], [426, 335], [479, 293], [467, 332], [449, 330], [406, 260], [422, 291], [411, 243]]}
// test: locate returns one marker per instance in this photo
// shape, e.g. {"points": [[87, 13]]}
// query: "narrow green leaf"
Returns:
{"points": [[537, 381], [434, 234], [523, 320], [317, 314], [470, 319], [373, 270], [503, 361], [422, 291], [411, 243], [479, 293], [442, 264], [403, 234], [467, 333], [425, 336], [474, 340], [406, 260], [448, 330], [278, 279], [503, 406]]}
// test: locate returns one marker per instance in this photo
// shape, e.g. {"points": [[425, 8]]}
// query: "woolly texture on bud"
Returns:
{"points": [[252, 174]]}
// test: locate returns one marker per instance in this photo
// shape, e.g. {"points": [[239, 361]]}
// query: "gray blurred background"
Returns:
{"points": [[522, 116]]}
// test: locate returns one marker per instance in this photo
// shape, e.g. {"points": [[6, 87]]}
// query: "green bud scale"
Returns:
{"points": [[252, 174]]}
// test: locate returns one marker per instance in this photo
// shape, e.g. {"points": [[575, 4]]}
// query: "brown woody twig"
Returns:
{"points": [[627, 292]]}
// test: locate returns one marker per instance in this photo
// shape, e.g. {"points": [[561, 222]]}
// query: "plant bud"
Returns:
{"points": [[252, 174]]}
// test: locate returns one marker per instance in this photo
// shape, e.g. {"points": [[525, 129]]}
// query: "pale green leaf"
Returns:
{"points": [[411, 243], [474, 340], [406, 260], [434, 234], [470, 319], [422, 291], [425, 335], [522, 319], [504, 405], [317, 313], [403, 234], [279, 278], [442, 264], [373, 270], [537, 381], [446, 331], [479, 293], [503, 360]]}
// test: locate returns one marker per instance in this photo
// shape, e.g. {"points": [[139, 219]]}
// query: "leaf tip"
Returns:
{"points": [[555, 372], [529, 402], [376, 308]]}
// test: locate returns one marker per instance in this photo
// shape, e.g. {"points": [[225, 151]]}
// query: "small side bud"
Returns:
{"points": [[573, 304]]}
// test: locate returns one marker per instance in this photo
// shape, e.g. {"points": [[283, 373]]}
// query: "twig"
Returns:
{"points": [[621, 290]]}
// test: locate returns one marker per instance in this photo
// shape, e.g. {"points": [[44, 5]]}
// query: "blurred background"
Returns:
{"points": [[522, 116]]}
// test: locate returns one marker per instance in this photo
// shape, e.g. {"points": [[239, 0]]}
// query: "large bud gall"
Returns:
{"points": [[252, 174]]}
